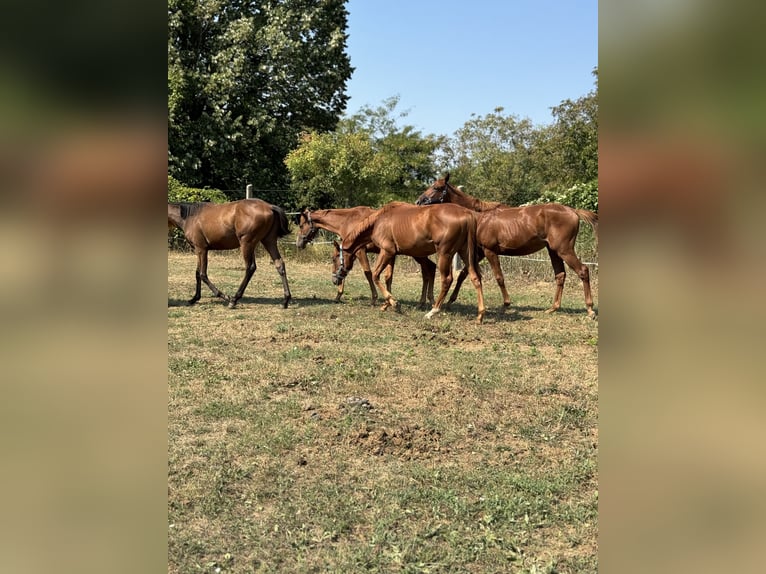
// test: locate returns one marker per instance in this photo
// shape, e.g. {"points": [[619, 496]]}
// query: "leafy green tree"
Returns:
{"points": [[492, 156], [244, 80], [367, 160], [573, 141], [332, 170], [500, 157]]}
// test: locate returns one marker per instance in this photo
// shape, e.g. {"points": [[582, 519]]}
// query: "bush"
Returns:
{"points": [[177, 192], [580, 195]]}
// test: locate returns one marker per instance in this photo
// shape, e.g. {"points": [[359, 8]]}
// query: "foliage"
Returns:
{"points": [[580, 195], [367, 160], [244, 80], [573, 143], [493, 153], [177, 192], [507, 159]]}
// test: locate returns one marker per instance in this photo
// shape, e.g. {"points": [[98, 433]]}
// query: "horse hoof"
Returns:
{"points": [[192, 302], [551, 310], [431, 313], [232, 304]]}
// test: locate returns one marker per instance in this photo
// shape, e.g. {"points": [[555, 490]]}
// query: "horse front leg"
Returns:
{"points": [[201, 276], [460, 278], [364, 261], [428, 274], [385, 259]]}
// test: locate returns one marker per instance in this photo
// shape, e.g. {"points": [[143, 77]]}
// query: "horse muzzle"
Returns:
{"points": [[337, 278]]}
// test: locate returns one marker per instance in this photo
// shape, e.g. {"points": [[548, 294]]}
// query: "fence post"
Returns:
{"points": [[249, 191]]}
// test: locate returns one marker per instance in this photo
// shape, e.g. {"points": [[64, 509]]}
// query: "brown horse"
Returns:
{"points": [[341, 222], [242, 224], [504, 230], [419, 232]]}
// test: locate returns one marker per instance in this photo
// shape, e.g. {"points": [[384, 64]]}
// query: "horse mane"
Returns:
{"points": [[367, 223], [189, 208], [472, 202]]}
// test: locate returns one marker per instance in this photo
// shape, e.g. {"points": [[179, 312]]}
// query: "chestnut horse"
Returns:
{"points": [[419, 232], [341, 222], [242, 224], [504, 230]]}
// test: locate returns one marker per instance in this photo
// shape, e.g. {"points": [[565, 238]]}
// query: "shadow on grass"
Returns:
{"points": [[499, 314], [560, 311]]}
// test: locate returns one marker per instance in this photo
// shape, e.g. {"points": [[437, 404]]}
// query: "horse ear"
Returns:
{"points": [[446, 178]]}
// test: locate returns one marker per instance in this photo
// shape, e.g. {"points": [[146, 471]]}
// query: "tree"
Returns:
{"points": [[501, 157], [367, 160], [574, 139], [492, 155], [244, 80]]}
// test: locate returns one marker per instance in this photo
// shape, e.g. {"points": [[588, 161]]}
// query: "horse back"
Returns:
{"points": [[524, 230]]}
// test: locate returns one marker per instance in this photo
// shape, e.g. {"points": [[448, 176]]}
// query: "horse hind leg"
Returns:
{"points": [[494, 263], [584, 274], [248, 254], [428, 273], [279, 265], [364, 261], [560, 274], [445, 270]]}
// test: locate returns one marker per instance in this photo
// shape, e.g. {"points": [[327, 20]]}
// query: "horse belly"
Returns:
{"points": [[415, 248], [226, 239], [518, 247]]}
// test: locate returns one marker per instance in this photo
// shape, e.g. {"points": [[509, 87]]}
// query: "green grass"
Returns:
{"points": [[474, 448]]}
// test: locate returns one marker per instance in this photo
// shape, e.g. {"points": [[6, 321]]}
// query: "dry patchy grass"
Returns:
{"points": [[336, 437]]}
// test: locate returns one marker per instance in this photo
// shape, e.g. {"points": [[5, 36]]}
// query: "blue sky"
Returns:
{"points": [[447, 59]]}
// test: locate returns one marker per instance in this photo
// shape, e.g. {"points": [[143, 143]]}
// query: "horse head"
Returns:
{"points": [[342, 262], [306, 229], [437, 193]]}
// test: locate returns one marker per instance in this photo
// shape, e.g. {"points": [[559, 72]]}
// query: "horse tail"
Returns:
{"points": [[281, 220], [590, 217], [473, 245]]}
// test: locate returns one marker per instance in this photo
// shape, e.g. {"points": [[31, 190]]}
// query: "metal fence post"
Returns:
{"points": [[249, 191]]}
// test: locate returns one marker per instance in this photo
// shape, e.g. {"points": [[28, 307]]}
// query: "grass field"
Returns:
{"points": [[338, 438]]}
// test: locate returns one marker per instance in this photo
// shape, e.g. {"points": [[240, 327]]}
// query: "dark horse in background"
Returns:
{"points": [[504, 230], [341, 222], [243, 224], [419, 232]]}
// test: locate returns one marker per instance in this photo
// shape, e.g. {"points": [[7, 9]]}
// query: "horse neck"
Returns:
{"points": [[334, 220], [360, 233], [474, 203]]}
